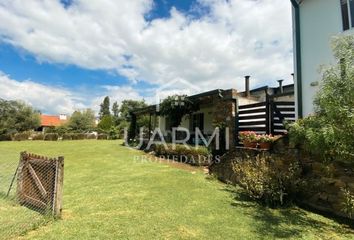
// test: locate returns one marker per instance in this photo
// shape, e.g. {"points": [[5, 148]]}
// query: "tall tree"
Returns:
{"points": [[81, 121], [104, 108], [16, 116], [115, 110], [129, 105]]}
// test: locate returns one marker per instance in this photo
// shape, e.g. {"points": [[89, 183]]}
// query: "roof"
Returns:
{"points": [[152, 108], [51, 121]]}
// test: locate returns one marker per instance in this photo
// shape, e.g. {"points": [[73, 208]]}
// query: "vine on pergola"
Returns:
{"points": [[175, 107]]}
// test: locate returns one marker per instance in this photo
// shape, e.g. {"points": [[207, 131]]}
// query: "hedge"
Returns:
{"points": [[5, 137], [102, 136], [90, 136], [78, 136], [23, 136], [51, 137], [37, 136], [198, 156], [67, 136]]}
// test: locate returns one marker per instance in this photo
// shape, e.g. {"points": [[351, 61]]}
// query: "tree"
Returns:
{"points": [[175, 107], [106, 123], [82, 121], [104, 108], [124, 120], [330, 132], [115, 110], [128, 105], [17, 116]]}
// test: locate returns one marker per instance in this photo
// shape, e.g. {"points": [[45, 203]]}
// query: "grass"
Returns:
{"points": [[110, 195]]}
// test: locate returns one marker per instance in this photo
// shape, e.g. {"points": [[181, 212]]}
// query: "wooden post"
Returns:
{"points": [[268, 109], [19, 192], [237, 120], [132, 129], [149, 126], [58, 188]]}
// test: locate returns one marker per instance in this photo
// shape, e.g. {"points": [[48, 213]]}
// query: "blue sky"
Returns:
{"points": [[69, 54]]}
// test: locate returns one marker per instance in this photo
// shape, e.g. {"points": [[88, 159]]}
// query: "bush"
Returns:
{"points": [[23, 136], [330, 132], [102, 136], [113, 133], [5, 137], [105, 123], [198, 156], [37, 136], [268, 182], [51, 137], [78, 136], [90, 136], [67, 136]]}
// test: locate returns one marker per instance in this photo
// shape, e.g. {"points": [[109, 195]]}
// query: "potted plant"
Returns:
{"points": [[249, 139], [265, 141]]}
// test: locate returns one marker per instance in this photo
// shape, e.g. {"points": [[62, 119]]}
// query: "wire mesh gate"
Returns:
{"points": [[39, 184]]}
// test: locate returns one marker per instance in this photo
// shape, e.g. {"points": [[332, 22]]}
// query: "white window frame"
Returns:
{"points": [[351, 25]]}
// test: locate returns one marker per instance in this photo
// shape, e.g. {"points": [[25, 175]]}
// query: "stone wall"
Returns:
{"points": [[225, 112], [323, 182]]}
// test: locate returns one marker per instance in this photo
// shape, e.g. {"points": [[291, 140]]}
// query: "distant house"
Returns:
{"points": [[315, 22], [51, 121]]}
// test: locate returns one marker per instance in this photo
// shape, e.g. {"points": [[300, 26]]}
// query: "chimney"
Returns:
{"points": [[281, 86], [63, 117], [247, 86]]}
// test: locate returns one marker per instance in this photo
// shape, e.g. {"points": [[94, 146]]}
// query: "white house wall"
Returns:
{"points": [[320, 20]]}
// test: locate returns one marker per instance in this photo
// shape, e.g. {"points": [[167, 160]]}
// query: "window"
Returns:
{"points": [[168, 123], [198, 121], [347, 7]]}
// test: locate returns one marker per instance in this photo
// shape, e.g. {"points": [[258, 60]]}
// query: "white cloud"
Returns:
{"points": [[236, 38], [56, 100], [48, 99]]}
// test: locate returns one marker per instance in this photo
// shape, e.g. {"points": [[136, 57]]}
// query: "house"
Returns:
{"points": [[51, 121], [315, 22], [215, 107]]}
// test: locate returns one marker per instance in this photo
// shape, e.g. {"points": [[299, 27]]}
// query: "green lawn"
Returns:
{"points": [[109, 195]]}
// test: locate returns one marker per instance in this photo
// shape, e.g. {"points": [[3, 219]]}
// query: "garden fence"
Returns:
{"points": [[267, 117]]}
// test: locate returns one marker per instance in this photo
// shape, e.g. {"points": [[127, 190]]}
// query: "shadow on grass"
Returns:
{"points": [[291, 222]]}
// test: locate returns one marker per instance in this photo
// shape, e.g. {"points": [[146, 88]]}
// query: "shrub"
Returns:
{"points": [[348, 203], [23, 136], [198, 156], [102, 136], [67, 136], [90, 136], [113, 133], [51, 137], [105, 123], [38, 136], [330, 132], [265, 181], [78, 136], [5, 137]]}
